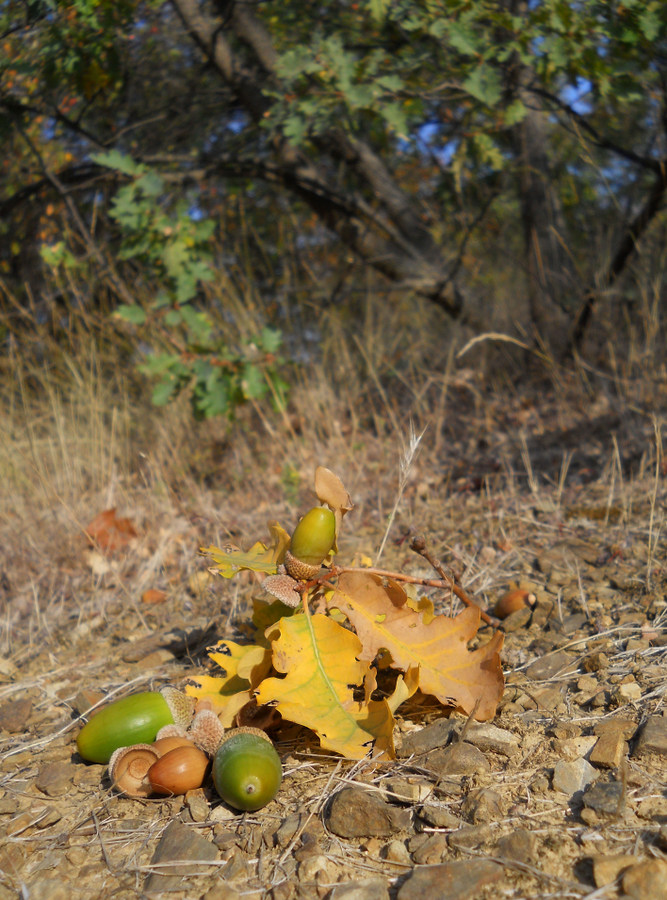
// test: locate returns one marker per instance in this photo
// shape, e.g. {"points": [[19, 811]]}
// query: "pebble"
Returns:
{"points": [[396, 851], [406, 790], [369, 889], [437, 734], [483, 805], [604, 798], [606, 869], [653, 737], [317, 868], [14, 715], [48, 889], [470, 837], [449, 881], [489, 737], [182, 844], [570, 777], [520, 845], [459, 759], [438, 816], [434, 850], [552, 664], [609, 751], [574, 748], [647, 880], [356, 812], [55, 779], [516, 620]]}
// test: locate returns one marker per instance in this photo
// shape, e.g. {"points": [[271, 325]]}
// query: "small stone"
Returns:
{"points": [[288, 828], [596, 661], [609, 751], [406, 790], [571, 777], [369, 889], [574, 748], [197, 805], [483, 805], [647, 880], [606, 869], [653, 737], [516, 620], [449, 881], [55, 779], [627, 693], [14, 715], [520, 845], [616, 725], [356, 812], [489, 737], [433, 736], [552, 664], [604, 798], [470, 837], [438, 816], [316, 868], [459, 759], [183, 845], [434, 850], [396, 851]]}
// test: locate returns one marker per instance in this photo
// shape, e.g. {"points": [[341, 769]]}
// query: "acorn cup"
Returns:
{"points": [[312, 540], [246, 769], [132, 720]]}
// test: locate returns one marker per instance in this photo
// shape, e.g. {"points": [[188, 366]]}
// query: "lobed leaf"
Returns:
{"points": [[319, 660], [447, 669]]}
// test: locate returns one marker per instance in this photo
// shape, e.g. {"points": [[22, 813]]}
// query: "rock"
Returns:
{"points": [[571, 777], [653, 737], [14, 715], [616, 725], [396, 851], [438, 816], [647, 880], [470, 837], [369, 889], [574, 748], [552, 664], [317, 868], [489, 737], [434, 850], [609, 750], [449, 881], [178, 844], [197, 805], [606, 798], [516, 620], [483, 805], [55, 779], [459, 759], [606, 869], [438, 734], [596, 661], [406, 790], [626, 693], [356, 812], [520, 845]]}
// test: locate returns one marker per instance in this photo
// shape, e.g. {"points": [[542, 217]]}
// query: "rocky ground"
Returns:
{"points": [[563, 794]]}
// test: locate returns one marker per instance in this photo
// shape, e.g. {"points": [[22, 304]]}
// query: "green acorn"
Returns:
{"points": [[311, 542], [246, 769], [132, 720]]}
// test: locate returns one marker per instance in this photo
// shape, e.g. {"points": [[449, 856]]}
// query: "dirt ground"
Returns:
{"points": [[564, 794]]}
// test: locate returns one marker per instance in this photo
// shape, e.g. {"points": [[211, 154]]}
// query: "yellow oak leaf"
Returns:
{"points": [[319, 659], [447, 669], [229, 561], [244, 665]]}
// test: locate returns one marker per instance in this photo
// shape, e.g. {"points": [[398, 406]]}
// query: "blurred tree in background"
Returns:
{"points": [[431, 141]]}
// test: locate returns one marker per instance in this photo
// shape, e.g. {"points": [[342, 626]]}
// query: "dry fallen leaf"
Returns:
{"points": [[109, 531], [320, 661], [383, 620]]}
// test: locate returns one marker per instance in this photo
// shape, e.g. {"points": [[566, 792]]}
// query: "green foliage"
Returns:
{"points": [[173, 245]]}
